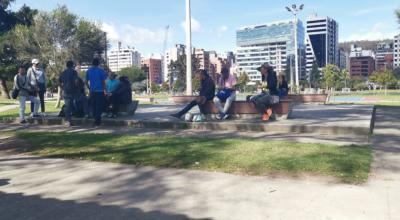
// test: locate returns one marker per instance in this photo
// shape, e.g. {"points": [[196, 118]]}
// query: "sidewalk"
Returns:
{"points": [[38, 188]]}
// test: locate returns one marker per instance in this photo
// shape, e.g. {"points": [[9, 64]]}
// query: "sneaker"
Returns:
{"points": [[221, 116], [23, 122], [34, 115], [68, 124], [225, 117]]}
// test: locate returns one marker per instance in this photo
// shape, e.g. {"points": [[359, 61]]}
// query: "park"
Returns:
{"points": [[330, 150]]}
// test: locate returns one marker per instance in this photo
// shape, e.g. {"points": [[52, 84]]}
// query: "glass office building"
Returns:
{"points": [[273, 43]]}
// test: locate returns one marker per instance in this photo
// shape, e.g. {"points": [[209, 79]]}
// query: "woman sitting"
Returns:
{"points": [[226, 93]]}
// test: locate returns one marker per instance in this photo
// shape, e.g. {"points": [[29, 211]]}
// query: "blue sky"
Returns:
{"points": [[141, 23]]}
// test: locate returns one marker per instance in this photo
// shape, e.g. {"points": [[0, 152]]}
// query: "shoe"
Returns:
{"points": [[178, 116], [225, 117], [34, 115], [269, 111], [23, 122], [68, 124], [43, 114], [221, 116]]}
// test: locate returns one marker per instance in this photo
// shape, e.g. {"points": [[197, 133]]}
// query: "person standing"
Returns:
{"points": [[96, 82], [21, 83], [37, 78], [69, 84], [227, 93]]}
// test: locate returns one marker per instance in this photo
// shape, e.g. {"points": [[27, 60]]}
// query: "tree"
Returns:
{"points": [[135, 74], [243, 79], [8, 53], [398, 15], [315, 76], [165, 87], [331, 75], [178, 68], [383, 78]]}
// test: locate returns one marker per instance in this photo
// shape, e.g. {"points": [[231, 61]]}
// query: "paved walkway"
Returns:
{"points": [[7, 107], [37, 188]]}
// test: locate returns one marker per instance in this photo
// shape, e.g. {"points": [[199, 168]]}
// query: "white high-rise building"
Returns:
{"points": [[171, 55], [322, 42], [123, 58], [396, 53], [272, 43]]}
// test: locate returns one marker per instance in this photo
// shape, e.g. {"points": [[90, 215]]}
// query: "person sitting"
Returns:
{"points": [[122, 95], [207, 92], [283, 86], [266, 99], [227, 93], [111, 85]]}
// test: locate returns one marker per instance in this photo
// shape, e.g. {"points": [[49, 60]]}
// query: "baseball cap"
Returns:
{"points": [[35, 61], [264, 65]]}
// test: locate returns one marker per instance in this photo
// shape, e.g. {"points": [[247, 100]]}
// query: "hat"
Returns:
{"points": [[35, 61], [265, 65]]}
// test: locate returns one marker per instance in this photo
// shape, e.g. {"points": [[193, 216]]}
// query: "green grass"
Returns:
{"points": [[350, 164], [4, 102], [14, 113]]}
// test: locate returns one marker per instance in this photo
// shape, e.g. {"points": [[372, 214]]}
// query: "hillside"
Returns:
{"points": [[365, 44]]}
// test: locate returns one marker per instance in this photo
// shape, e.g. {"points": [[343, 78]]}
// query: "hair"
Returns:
{"points": [[225, 72], [21, 67], [283, 77], [202, 72], [113, 75], [70, 64], [96, 62]]}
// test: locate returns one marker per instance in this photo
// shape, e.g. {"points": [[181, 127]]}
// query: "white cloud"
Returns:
{"points": [[132, 35], [222, 29], [365, 11], [196, 26], [379, 31]]}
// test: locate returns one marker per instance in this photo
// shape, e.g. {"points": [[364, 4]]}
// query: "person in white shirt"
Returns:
{"points": [[37, 79]]}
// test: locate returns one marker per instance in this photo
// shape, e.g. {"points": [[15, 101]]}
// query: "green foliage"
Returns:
{"points": [[178, 69], [155, 88], [139, 87], [315, 76], [331, 76], [348, 163], [165, 87], [178, 86], [135, 74], [243, 79], [383, 78]]}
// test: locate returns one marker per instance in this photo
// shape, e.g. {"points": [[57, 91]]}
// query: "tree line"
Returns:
{"points": [[53, 37]]}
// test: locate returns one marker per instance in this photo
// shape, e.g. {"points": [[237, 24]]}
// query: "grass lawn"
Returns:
{"points": [[350, 164], [14, 113], [4, 102]]}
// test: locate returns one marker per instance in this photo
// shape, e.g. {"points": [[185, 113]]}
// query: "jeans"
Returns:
{"points": [[41, 98], [22, 103], [262, 101], [199, 102], [69, 104], [228, 103], [97, 99]]}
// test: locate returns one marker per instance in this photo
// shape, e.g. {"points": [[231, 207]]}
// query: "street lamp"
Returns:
{"points": [[294, 9], [188, 49]]}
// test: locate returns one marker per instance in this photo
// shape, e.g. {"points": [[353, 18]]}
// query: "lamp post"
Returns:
{"points": [[294, 9], [188, 49]]}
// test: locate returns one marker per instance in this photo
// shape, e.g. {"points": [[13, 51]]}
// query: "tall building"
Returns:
{"points": [[384, 56], [396, 54], [343, 59], [322, 42], [171, 55], [273, 43], [123, 58], [362, 62], [154, 68], [203, 57]]}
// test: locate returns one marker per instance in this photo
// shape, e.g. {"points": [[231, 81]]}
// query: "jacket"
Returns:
{"points": [[207, 88], [123, 92], [22, 84], [272, 82]]}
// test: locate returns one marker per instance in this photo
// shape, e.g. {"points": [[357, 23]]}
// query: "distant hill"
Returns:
{"points": [[365, 44]]}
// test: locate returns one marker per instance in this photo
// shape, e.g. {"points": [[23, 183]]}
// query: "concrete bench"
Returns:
{"points": [[129, 109], [243, 108]]}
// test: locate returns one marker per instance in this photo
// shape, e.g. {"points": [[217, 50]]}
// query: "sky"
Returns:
{"points": [[141, 23]]}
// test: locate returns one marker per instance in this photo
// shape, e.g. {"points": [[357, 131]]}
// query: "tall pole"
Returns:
{"points": [[296, 52], [188, 50]]}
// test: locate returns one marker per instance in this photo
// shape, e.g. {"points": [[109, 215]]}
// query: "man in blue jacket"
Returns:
{"points": [[207, 93]]}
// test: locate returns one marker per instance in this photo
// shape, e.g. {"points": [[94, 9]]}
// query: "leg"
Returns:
{"points": [[186, 109], [99, 105], [68, 108], [22, 102], [115, 105], [35, 103], [93, 103], [229, 102], [218, 104], [42, 105]]}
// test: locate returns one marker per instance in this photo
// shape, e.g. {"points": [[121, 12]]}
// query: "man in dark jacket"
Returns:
{"points": [[207, 93], [69, 84], [266, 99], [121, 96]]}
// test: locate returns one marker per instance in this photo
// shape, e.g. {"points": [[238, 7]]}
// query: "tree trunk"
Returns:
{"points": [[3, 89], [58, 103]]}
